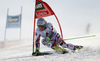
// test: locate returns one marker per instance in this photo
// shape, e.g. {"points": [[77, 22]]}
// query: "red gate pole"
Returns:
{"points": [[34, 34], [59, 25], [34, 30]]}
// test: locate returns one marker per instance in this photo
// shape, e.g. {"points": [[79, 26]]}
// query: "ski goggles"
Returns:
{"points": [[41, 26]]}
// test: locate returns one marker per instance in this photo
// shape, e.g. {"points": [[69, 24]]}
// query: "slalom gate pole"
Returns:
{"points": [[34, 34], [80, 37], [59, 25]]}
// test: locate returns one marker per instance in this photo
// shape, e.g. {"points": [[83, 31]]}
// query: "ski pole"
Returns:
{"points": [[80, 37]]}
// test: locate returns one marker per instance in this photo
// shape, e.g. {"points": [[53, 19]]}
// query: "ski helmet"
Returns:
{"points": [[41, 22]]}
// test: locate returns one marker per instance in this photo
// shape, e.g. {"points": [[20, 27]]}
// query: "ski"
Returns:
{"points": [[41, 53]]}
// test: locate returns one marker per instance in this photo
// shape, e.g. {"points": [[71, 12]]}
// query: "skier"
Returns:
{"points": [[51, 38]]}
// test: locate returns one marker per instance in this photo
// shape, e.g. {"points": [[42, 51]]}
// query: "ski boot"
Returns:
{"points": [[60, 50], [77, 48]]}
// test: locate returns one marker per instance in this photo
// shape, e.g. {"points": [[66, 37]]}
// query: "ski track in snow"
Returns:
{"points": [[83, 55], [23, 53]]}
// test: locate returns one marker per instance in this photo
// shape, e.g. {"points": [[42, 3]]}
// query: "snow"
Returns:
{"points": [[91, 52]]}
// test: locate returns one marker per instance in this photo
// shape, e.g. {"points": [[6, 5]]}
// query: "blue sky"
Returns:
{"points": [[74, 17]]}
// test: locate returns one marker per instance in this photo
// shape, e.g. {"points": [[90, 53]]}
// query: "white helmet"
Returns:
{"points": [[41, 22]]}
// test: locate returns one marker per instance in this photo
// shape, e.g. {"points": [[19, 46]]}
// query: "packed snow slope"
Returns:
{"points": [[91, 52]]}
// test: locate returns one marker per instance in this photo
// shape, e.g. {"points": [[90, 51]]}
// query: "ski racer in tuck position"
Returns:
{"points": [[51, 38]]}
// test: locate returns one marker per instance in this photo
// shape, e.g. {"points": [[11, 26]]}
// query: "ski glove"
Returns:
{"points": [[46, 40]]}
